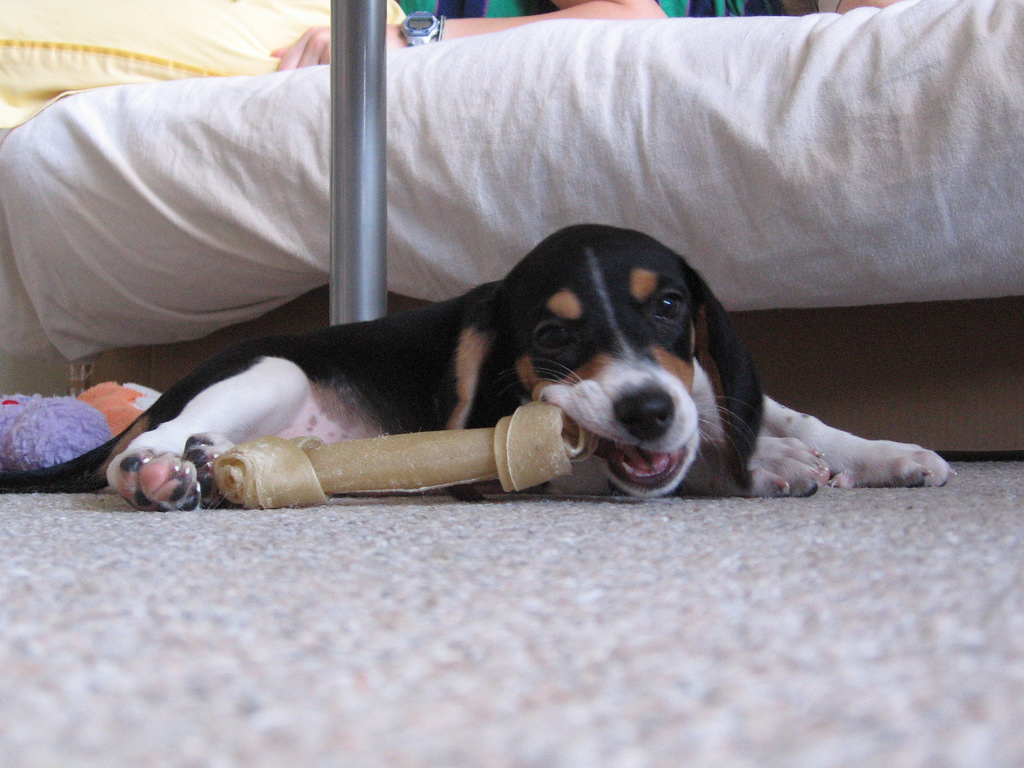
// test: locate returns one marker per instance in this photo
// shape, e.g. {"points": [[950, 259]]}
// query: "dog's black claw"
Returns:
{"points": [[802, 492], [205, 482], [196, 456], [191, 502], [178, 494], [131, 464], [197, 450]]}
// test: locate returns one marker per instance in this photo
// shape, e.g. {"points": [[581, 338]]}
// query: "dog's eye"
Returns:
{"points": [[669, 305], [551, 335]]}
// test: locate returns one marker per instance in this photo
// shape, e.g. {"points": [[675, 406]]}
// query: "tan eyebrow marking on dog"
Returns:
{"points": [[642, 283], [676, 366], [566, 305]]}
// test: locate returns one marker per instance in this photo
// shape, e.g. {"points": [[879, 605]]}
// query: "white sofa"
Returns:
{"points": [[808, 165]]}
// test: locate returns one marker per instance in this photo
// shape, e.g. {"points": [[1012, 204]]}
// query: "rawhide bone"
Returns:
{"points": [[533, 445]]}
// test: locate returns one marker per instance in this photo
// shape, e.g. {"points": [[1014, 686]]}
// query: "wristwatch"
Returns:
{"points": [[422, 27]]}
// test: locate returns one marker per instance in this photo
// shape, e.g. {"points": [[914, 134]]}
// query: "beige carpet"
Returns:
{"points": [[858, 628]]}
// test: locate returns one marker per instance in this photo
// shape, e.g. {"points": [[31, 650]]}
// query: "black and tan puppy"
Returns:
{"points": [[608, 324]]}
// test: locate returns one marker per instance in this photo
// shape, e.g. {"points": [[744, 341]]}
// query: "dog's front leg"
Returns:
{"points": [[853, 461], [169, 467]]}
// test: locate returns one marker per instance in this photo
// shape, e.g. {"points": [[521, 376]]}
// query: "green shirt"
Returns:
{"points": [[495, 8], [454, 9]]}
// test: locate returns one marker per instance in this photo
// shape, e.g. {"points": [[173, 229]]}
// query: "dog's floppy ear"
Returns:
{"points": [[728, 364], [473, 347]]}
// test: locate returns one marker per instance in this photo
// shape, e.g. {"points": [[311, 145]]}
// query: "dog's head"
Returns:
{"points": [[617, 330]]}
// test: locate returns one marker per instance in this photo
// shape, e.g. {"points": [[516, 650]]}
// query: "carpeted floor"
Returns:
{"points": [[855, 628]]}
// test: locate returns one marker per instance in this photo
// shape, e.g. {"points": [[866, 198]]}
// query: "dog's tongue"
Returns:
{"points": [[637, 465], [640, 463]]}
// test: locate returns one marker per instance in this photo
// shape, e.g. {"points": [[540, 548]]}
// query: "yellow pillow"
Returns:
{"points": [[50, 47]]}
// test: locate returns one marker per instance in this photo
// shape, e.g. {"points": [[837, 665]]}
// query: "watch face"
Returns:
{"points": [[419, 24]]}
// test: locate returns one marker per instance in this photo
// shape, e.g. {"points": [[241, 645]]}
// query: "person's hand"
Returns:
{"points": [[313, 48]]}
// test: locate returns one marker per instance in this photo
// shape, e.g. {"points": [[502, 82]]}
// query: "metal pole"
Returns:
{"points": [[358, 170]]}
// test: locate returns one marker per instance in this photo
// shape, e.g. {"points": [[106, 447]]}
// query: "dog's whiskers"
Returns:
{"points": [[511, 376], [728, 417], [556, 373], [549, 372]]}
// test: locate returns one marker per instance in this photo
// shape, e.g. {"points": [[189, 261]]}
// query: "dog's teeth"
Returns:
{"points": [[644, 463]]}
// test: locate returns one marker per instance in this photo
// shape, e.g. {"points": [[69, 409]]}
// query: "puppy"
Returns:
{"points": [[608, 324]]}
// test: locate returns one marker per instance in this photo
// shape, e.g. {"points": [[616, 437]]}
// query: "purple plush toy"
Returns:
{"points": [[37, 431]]}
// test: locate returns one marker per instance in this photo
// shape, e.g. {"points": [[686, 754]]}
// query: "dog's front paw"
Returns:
{"points": [[786, 466], [885, 464], [167, 481], [156, 482]]}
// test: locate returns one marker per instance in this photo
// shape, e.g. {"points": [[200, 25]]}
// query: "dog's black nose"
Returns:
{"points": [[647, 414]]}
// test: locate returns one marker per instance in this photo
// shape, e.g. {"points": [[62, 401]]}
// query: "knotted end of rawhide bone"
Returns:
{"points": [[269, 472], [533, 445]]}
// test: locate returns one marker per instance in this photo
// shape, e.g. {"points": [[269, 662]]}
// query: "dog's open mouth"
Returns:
{"points": [[645, 470]]}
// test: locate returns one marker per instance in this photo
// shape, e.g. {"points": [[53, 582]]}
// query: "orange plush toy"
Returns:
{"points": [[120, 404]]}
